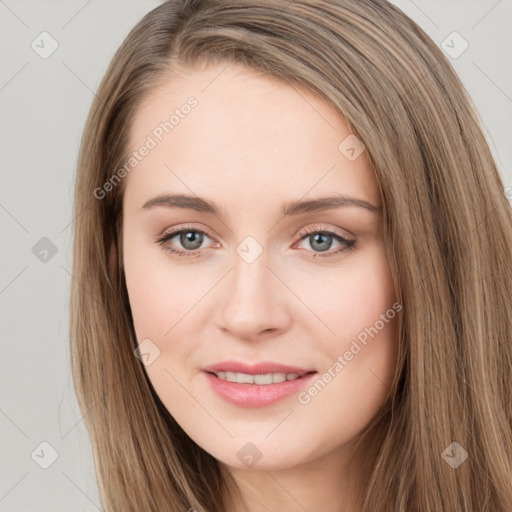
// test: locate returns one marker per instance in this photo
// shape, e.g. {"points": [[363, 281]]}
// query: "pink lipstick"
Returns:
{"points": [[256, 385]]}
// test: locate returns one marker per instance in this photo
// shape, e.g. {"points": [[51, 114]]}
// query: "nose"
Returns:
{"points": [[255, 303]]}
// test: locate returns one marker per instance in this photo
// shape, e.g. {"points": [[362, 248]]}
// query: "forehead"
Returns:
{"points": [[225, 128]]}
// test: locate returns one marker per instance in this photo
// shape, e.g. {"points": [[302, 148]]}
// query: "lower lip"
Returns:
{"points": [[254, 395]]}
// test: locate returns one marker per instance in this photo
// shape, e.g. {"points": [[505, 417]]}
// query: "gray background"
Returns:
{"points": [[44, 104]]}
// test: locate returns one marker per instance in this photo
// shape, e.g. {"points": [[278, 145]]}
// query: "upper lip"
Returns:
{"points": [[255, 369]]}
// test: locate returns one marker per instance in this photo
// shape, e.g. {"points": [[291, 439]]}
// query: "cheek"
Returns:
{"points": [[159, 301], [160, 292], [358, 304], [162, 303], [347, 300]]}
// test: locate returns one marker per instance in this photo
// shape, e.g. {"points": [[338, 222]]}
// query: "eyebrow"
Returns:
{"points": [[290, 209]]}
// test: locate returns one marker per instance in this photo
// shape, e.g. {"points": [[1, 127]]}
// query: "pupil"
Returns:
{"points": [[191, 240], [319, 238]]}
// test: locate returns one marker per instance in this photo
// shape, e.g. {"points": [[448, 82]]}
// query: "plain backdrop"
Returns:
{"points": [[53, 56]]}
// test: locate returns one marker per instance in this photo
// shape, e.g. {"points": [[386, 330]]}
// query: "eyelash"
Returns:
{"points": [[348, 245]]}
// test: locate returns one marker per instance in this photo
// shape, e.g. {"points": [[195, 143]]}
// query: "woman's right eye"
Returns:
{"points": [[189, 239]]}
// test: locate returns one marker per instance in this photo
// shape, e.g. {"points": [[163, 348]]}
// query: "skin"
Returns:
{"points": [[251, 145]]}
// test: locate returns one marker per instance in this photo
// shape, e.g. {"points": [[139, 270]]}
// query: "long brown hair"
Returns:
{"points": [[448, 233]]}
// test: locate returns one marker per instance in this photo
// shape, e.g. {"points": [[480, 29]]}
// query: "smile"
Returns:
{"points": [[256, 390], [261, 379]]}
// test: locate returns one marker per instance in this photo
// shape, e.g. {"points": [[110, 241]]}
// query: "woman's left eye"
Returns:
{"points": [[323, 240], [191, 240]]}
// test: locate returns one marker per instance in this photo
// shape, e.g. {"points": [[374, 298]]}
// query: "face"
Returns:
{"points": [[249, 273]]}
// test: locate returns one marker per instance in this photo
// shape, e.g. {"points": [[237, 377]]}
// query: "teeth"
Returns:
{"points": [[241, 378], [268, 378], [263, 379]]}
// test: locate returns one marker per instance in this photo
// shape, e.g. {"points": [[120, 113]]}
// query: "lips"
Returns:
{"points": [[257, 394], [256, 369]]}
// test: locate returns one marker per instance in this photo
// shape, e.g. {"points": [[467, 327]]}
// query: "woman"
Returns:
{"points": [[290, 261]]}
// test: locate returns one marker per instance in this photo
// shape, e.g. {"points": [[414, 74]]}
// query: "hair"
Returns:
{"points": [[447, 230]]}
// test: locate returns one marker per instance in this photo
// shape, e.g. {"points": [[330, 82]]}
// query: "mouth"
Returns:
{"points": [[257, 385], [261, 379]]}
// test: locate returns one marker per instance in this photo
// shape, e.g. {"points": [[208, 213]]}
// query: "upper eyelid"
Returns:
{"points": [[318, 228], [175, 231]]}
